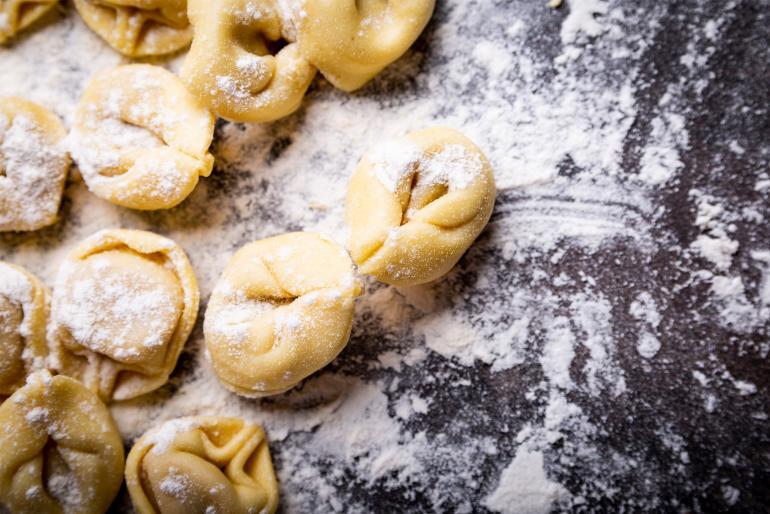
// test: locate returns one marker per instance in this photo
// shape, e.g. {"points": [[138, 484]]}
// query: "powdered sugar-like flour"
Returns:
{"points": [[604, 344]]}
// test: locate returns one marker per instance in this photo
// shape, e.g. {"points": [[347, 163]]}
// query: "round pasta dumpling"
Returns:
{"points": [[140, 139], [33, 165], [59, 449], [139, 28], [350, 41], [282, 309], [231, 66], [19, 14], [123, 306], [23, 320], [415, 205], [202, 464]]}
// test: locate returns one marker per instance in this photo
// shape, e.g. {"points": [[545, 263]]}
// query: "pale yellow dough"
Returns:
{"points": [[23, 319], [231, 68], [415, 206], [19, 14], [350, 41], [60, 451], [202, 464], [139, 28], [33, 165], [282, 309], [141, 139], [123, 306]]}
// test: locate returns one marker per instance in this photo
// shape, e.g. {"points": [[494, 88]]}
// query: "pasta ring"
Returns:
{"points": [[414, 206], [59, 449], [282, 309], [124, 303], [23, 320], [199, 464], [33, 165], [140, 138], [350, 41], [138, 28], [230, 66]]}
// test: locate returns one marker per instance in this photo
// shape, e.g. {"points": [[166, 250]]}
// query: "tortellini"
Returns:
{"points": [[16, 15], [231, 67], [350, 41], [282, 309], [139, 28], [415, 205], [123, 306], [59, 449], [202, 464], [23, 319], [33, 165], [140, 138]]}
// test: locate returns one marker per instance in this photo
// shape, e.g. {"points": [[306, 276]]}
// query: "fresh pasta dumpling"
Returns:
{"points": [[140, 139], [23, 319], [415, 205], [202, 464], [282, 309], [350, 41], [16, 15], [60, 451], [231, 66], [33, 165], [139, 28], [123, 306]]}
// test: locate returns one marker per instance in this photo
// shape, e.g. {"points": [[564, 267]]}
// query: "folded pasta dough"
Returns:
{"points": [[60, 451], [282, 309], [141, 139], [350, 41], [232, 68], [19, 14], [23, 321], [415, 205], [123, 306], [33, 165], [139, 28], [202, 464]]}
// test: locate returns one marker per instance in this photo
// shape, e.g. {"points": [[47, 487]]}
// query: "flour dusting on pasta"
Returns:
{"points": [[32, 168]]}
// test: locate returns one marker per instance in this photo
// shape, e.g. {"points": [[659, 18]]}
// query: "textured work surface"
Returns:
{"points": [[604, 344]]}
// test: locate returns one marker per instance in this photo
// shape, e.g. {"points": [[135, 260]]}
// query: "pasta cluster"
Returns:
{"points": [[126, 301], [241, 68]]}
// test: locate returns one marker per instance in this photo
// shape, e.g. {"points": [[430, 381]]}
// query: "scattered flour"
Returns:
{"points": [[524, 487], [114, 310], [406, 413], [163, 436]]}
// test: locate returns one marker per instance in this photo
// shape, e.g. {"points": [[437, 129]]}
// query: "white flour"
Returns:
{"points": [[32, 170], [481, 389]]}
